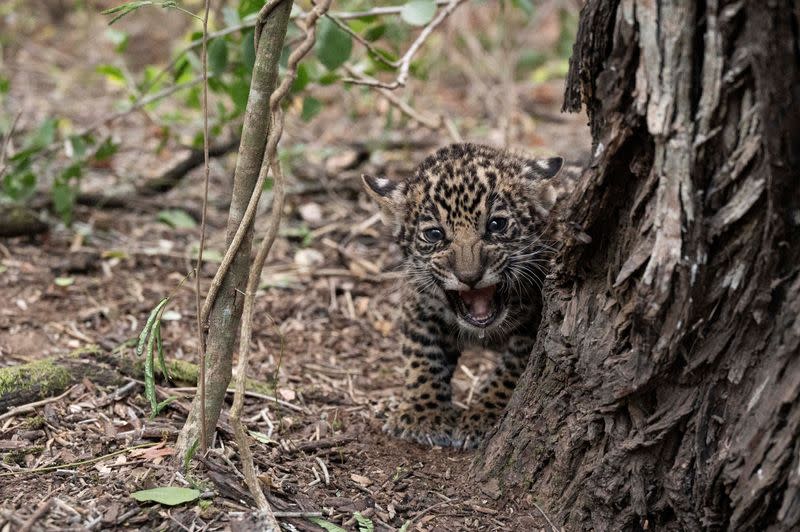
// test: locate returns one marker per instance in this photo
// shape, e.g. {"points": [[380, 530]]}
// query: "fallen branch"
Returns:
{"points": [[17, 220], [336, 441], [30, 407], [37, 383], [168, 179]]}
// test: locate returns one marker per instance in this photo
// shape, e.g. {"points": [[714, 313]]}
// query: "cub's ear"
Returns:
{"points": [[543, 168], [541, 172], [386, 193], [545, 197]]}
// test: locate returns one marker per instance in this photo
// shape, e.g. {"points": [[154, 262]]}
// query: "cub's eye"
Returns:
{"points": [[433, 235], [497, 224]]}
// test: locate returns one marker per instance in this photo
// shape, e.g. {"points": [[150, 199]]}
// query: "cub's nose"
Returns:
{"points": [[469, 278]]}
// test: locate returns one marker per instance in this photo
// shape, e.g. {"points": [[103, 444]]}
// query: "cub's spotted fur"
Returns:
{"points": [[471, 223]]}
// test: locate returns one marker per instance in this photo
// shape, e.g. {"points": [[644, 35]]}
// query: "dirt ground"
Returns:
{"points": [[324, 333]]}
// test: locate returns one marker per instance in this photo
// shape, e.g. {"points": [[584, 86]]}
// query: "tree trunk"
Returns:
{"points": [[226, 311], [663, 388]]}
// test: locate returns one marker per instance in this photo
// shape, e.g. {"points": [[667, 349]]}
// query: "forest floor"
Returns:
{"points": [[324, 339]]}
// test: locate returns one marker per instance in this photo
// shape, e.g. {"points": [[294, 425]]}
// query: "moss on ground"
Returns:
{"points": [[17, 456], [184, 372], [50, 378]]}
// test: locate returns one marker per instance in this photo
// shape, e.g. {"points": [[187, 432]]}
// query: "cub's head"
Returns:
{"points": [[471, 222]]}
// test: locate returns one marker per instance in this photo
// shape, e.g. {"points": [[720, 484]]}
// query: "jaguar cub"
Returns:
{"points": [[472, 223]]}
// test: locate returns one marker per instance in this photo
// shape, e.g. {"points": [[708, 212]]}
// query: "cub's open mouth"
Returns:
{"points": [[478, 307]]}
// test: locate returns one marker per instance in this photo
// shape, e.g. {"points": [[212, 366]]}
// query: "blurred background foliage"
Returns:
{"points": [[156, 71]]}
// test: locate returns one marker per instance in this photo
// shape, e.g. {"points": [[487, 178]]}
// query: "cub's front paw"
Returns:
{"points": [[428, 426], [473, 425]]}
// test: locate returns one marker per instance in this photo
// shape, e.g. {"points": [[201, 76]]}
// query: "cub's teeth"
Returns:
{"points": [[482, 334]]}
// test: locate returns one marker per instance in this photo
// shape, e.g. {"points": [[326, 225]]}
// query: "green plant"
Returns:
{"points": [[53, 156]]}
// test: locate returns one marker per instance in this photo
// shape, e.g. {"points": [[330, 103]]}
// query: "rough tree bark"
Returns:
{"points": [[664, 387]]}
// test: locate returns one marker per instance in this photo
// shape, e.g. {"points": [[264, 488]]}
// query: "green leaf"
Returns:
{"points": [[190, 452], [248, 51], [218, 56], [149, 374], [112, 73], [239, 91], [163, 404], [124, 9], [247, 7], [405, 526], [106, 150], [364, 523], [329, 78], [64, 195], [375, 32], [182, 67], [397, 33], [71, 172], [193, 102], [168, 495], [19, 185], [36, 141], [327, 525], [177, 219], [333, 46], [311, 108], [160, 348], [43, 136], [302, 79], [151, 319], [418, 12], [375, 60], [64, 192], [64, 281], [76, 147]]}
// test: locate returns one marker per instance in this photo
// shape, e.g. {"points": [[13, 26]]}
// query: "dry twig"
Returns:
{"points": [[405, 61], [40, 511], [200, 332], [379, 11], [549, 522], [435, 122], [7, 142]]}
